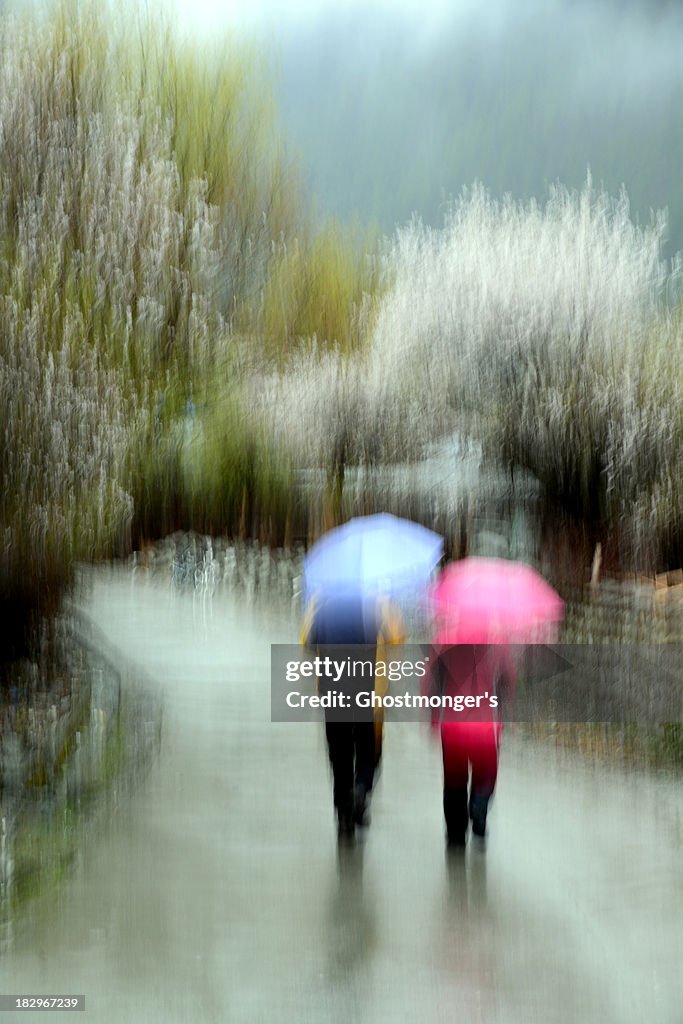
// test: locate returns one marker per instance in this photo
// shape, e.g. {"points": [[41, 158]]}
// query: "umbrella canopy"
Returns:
{"points": [[482, 600], [372, 554]]}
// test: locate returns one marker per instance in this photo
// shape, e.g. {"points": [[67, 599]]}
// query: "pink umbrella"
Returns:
{"points": [[489, 600]]}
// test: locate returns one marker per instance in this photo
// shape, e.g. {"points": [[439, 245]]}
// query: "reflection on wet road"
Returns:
{"points": [[218, 892]]}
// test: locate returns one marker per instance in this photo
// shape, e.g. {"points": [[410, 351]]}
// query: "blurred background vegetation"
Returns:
{"points": [[181, 338], [154, 242]]}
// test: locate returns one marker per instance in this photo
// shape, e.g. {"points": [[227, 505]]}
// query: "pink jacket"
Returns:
{"points": [[478, 678]]}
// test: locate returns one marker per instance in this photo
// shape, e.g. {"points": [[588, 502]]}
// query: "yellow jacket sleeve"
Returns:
{"points": [[307, 624], [392, 631]]}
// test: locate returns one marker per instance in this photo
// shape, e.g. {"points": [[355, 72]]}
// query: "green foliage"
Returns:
{"points": [[235, 483], [325, 287], [142, 188]]}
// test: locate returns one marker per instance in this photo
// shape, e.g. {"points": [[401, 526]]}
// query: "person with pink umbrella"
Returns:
{"points": [[481, 606]]}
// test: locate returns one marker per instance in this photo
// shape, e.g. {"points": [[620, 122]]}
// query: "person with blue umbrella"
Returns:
{"points": [[350, 577]]}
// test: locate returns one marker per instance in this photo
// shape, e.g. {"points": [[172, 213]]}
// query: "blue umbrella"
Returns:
{"points": [[379, 554]]}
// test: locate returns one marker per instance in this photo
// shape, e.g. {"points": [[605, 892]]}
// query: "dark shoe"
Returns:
{"points": [[456, 842], [479, 842], [346, 825], [361, 814], [456, 816], [478, 810], [479, 826]]}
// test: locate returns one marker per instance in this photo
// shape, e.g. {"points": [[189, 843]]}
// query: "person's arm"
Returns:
{"points": [[506, 678], [392, 626], [390, 631], [433, 686], [307, 636]]}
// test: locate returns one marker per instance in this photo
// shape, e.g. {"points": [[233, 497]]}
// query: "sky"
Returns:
{"points": [[394, 107], [257, 13]]}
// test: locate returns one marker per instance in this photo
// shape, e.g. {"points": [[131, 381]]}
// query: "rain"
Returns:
{"points": [[341, 561]]}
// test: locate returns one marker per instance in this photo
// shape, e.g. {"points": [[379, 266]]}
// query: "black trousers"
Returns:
{"points": [[459, 758], [351, 746]]}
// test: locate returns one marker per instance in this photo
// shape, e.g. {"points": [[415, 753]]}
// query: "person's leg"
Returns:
{"points": [[379, 730], [340, 745], [484, 757], [455, 778], [365, 751]]}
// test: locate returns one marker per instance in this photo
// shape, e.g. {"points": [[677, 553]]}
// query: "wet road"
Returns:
{"points": [[217, 892]]}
